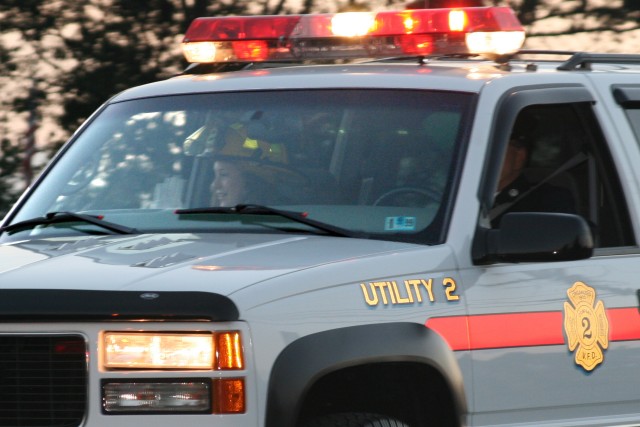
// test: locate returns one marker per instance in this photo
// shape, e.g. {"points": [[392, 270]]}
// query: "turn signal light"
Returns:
{"points": [[229, 351]]}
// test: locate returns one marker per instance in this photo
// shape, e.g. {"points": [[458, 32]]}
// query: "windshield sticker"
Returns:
{"points": [[400, 223], [586, 326], [411, 291]]}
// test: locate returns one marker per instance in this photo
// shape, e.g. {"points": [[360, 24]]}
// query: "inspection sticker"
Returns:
{"points": [[400, 223]]}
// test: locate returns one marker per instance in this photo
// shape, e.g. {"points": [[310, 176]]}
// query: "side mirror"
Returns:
{"points": [[534, 237]]}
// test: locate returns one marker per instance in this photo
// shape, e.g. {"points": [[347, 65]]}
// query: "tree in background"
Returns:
{"points": [[60, 59], [10, 162], [33, 59]]}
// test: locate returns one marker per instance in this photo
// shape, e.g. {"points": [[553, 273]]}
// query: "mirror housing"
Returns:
{"points": [[534, 237]]}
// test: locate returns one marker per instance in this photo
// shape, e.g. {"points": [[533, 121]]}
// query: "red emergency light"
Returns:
{"points": [[487, 31]]}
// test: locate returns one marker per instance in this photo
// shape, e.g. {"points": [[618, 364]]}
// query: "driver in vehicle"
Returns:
{"points": [[517, 191]]}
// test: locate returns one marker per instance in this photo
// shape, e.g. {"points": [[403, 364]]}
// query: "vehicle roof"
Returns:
{"points": [[370, 75], [457, 75]]}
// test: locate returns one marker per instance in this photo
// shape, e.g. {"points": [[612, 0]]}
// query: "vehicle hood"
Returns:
{"points": [[218, 263]]}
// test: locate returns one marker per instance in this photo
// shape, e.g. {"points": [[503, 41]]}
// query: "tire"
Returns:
{"points": [[355, 419]]}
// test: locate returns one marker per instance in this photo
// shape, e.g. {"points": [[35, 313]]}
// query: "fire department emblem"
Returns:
{"points": [[586, 326]]}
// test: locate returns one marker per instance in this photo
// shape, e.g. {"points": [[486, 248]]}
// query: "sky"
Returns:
{"points": [[618, 40]]}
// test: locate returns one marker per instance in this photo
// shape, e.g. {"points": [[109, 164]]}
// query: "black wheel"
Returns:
{"points": [[355, 419], [408, 197]]}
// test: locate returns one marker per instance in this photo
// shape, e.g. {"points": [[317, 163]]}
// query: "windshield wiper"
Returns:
{"points": [[61, 217], [299, 217]]}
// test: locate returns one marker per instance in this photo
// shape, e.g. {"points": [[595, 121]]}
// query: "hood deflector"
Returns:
{"points": [[66, 304]]}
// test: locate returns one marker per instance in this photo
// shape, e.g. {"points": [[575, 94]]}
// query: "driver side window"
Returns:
{"points": [[557, 161]]}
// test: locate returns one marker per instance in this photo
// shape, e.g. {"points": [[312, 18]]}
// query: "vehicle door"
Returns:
{"points": [[556, 340]]}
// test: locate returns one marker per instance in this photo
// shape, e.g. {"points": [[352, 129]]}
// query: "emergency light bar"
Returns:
{"points": [[489, 31]]}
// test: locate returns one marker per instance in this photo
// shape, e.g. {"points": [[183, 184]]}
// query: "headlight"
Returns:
{"points": [[150, 350], [173, 351]]}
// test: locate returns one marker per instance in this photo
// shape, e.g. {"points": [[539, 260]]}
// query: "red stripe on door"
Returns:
{"points": [[529, 329], [624, 324]]}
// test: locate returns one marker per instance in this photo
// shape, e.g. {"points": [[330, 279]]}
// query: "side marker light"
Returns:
{"points": [[229, 396]]}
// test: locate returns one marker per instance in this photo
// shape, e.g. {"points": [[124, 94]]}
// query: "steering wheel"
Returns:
{"points": [[408, 197]]}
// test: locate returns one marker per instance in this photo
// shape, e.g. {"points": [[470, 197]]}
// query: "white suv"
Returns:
{"points": [[287, 235]]}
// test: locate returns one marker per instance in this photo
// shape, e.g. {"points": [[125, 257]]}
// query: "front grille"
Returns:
{"points": [[43, 380]]}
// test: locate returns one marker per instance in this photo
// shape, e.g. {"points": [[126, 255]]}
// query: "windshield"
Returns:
{"points": [[376, 162]]}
